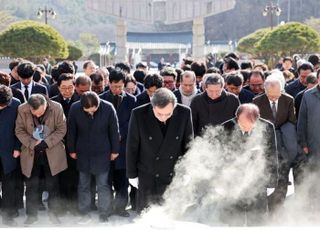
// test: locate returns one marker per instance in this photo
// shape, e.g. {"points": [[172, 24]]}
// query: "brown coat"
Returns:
{"points": [[56, 122]]}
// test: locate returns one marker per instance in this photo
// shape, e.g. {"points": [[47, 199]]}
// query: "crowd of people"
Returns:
{"points": [[118, 133]]}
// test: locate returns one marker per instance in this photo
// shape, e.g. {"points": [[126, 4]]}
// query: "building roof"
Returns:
{"points": [[166, 37]]}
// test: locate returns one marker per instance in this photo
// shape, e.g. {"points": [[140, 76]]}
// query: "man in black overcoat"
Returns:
{"points": [[159, 133]]}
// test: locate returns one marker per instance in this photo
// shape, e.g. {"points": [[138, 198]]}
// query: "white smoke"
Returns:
{"points": [[215, 173]]}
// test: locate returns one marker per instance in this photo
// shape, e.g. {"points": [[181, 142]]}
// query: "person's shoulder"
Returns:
{"points": [[104, 94], [16, 85], [105, 104], [142, 108], [259, 98], [15, 102], [182, 108], [229, 124], [292, 84], [287, 97], [267, 123], [177, 92], [130, 97]]}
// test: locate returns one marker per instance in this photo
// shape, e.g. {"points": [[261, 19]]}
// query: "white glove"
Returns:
{"points": [[134, 182], [270, 191]]}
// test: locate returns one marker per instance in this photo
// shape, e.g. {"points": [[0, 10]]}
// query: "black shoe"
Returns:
{"points": [[122, 213], [54, 218], [30, 220], [9, 221], [103, 218]]}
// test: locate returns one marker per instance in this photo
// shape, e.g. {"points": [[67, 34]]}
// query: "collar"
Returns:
{"points": [[29, 85]]}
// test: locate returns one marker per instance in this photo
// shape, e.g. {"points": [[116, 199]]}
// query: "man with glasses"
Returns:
{"points": [[169, 78], [159, 133], [255, 82]]}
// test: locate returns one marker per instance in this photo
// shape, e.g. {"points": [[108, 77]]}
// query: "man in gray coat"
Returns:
{"points": [[308, 133]]}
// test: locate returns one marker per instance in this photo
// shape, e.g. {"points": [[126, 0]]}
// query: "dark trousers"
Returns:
{"points": [[84, 193], [19, 186], [118, 180], [32, 188], [8, 192], [68, 185]]}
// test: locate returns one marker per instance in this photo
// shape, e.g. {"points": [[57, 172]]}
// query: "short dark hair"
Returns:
{"points": [[231, 63], [130, 78], [235, 79], [188, 60], [153, 80], [139, 75], [5, 95], [37, 75], [141, 65], [26, 69], [162, 97], [65, 77], [245, 74], [89, 99], [287, 59], [96, 77], [232, 55], [246, 65], [14, 63], [116, 76], [199, 68], [36, 100], [306, 66], [123, 66], [66, 67], [83, 80], [55, 72], [169, 71], [214, 79], [213, 70], [86, 63], [257, 72], [4, 78], [314, 59]]}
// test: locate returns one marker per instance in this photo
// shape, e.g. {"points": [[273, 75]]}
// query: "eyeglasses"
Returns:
{"points": [[69, 88], [168, 82]]}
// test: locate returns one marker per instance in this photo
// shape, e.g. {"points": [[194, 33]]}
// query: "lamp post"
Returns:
{"points": [[271, 10], [47, 12]]}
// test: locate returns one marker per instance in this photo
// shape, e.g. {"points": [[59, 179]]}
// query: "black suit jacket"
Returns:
{"points": [[36, 88], [152, 156], [285, 111], [142, 99], [66, 106]]}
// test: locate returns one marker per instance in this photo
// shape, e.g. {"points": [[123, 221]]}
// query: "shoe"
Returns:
{"points": [[9, 222], [103, 218], [122, 213], [86, 219], [30, 220], [54, 218]]}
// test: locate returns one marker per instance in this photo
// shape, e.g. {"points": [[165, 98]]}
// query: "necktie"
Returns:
{"points": [[26, 93], [115, 101], [274, 110]]}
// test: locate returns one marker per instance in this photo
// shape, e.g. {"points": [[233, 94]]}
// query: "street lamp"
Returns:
{"points": [[47, 12], [271, 10]]}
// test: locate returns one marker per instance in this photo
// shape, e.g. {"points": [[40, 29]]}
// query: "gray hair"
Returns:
{"points": [[214, 79], [188, 73], [36, 100], [163, 97], [272, 81], [250, 110]]}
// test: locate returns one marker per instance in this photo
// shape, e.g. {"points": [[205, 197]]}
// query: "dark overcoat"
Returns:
{"points": [[93, 137]]}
